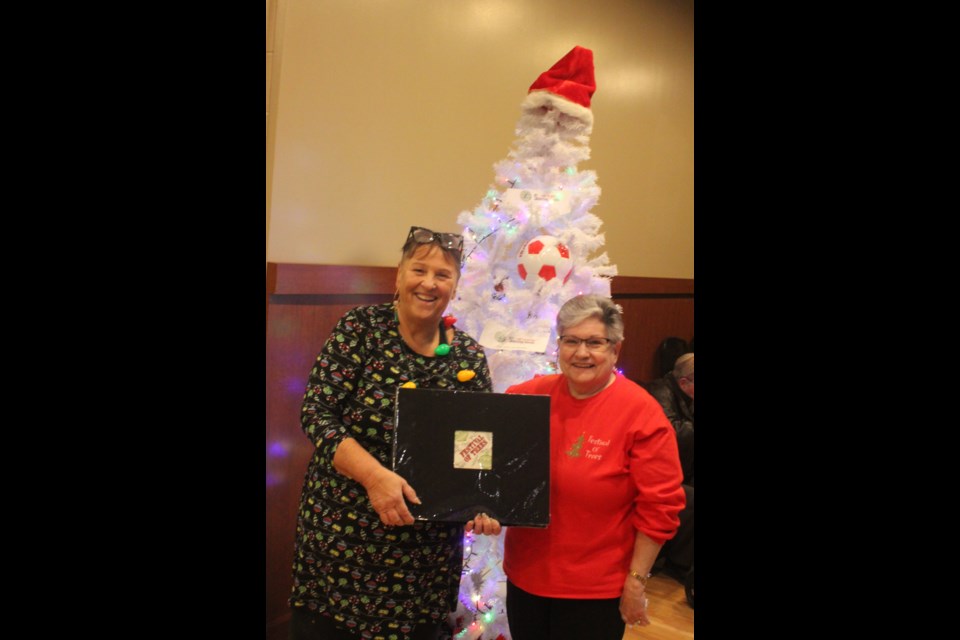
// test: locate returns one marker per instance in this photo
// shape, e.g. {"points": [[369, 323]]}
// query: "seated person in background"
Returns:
{"points": [[674, 392]]}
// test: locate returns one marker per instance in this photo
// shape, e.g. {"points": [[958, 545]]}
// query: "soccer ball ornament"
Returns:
{"points": [[542, 259]]}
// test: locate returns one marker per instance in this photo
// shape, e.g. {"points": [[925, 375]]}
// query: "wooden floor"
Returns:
{"points": [[671, 618]]}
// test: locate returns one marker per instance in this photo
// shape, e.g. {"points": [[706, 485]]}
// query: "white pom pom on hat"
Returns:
{"points": [[567, 86]]}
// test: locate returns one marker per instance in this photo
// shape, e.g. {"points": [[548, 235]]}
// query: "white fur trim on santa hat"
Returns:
{"points": [[542, 97]]}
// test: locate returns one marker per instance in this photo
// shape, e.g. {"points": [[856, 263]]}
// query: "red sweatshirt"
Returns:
{"points": [[614, 469]]}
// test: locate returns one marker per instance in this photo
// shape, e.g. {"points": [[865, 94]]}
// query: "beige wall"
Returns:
{"points": [[387, 113]]}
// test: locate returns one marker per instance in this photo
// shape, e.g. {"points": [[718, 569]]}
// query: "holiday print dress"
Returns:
{"points": [[378, 581]]}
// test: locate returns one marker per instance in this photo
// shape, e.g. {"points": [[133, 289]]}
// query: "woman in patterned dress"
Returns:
{"points": [[363, 568]]}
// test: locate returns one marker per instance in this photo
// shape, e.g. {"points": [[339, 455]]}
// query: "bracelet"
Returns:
{"points": [[640, 577]]}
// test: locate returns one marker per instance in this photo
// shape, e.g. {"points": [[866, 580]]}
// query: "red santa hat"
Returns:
{"points": [[567, 86]]}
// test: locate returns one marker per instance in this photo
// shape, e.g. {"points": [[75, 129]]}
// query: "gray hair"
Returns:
{"points": [[583, 307], [683, 367]]}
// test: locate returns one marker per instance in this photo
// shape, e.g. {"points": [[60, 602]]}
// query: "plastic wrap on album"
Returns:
{"points": [[467, 452]]}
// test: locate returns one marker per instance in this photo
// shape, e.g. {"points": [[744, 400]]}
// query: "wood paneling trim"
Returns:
{"points": [[291, 279], [630, 286], [313, 279]]}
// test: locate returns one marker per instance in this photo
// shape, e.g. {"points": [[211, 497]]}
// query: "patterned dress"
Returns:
{"points": [[375, 580]]}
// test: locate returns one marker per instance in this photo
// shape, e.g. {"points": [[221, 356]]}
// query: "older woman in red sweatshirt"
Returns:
{"points": [[615, 491]]}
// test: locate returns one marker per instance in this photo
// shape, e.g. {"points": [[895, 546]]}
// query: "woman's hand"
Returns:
{"points": [[484, 525], [633, 603], [386, 491]]}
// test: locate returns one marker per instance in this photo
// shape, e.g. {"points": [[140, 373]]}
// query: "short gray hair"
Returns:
{"points": [[583, 307], [683, 367]]}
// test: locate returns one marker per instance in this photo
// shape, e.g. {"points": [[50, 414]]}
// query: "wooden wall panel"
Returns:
{"points": [[304, 303], [653, 309]]}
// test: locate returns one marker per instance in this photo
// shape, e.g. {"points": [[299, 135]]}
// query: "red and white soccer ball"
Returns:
{"points": [[542, 259]]}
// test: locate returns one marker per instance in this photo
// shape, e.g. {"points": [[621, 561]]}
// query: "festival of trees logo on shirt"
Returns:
{"points": [[596, 447]]}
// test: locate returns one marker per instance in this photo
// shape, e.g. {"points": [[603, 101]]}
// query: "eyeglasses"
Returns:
{"points": [[593, 344], [449, 241]]}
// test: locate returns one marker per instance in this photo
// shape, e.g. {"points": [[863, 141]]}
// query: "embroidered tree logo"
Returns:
{"points": [[575, 449]]}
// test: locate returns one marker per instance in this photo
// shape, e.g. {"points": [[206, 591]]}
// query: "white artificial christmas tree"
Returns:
{"points": [[539, 191], [529, 246]]}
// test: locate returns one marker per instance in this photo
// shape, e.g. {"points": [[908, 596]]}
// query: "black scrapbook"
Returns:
{"points": [[467, 452]]}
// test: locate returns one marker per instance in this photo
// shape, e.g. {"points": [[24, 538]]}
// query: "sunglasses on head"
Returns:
{"points": [[450, 241]]}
